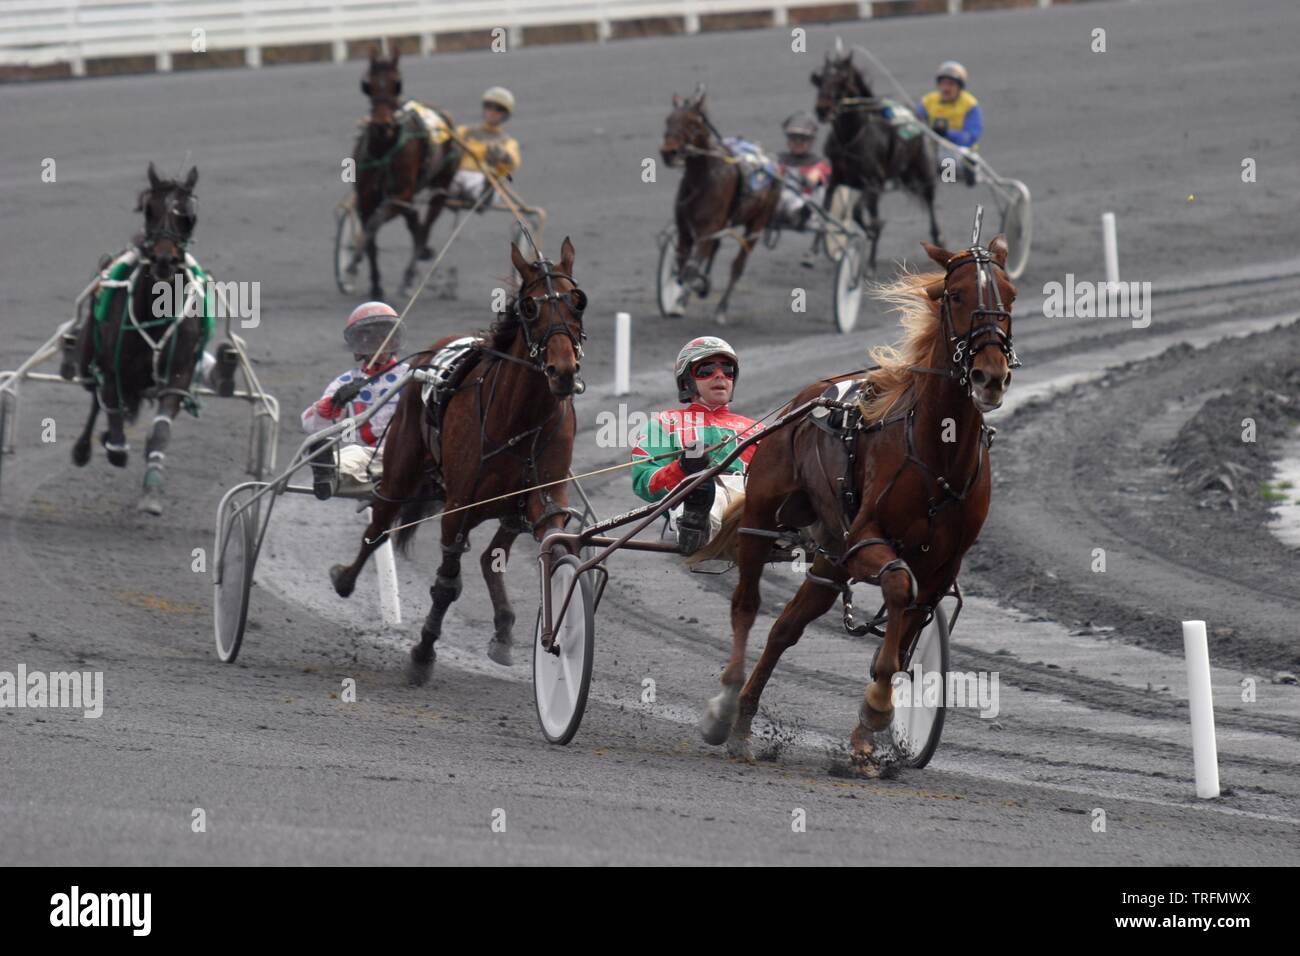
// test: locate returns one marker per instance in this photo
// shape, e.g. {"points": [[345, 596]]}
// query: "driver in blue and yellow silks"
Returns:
{"points": [[953, 113]]}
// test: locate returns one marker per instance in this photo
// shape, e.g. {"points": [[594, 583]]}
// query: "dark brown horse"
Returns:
{"points": [[918, 467], [866, 151], [509, 426], [395, 160], [147, 344], [712, 198]]}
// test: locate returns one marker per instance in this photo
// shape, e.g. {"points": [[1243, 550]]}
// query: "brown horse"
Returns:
{"points": [[136, 342], [866, 151], [508, 426], [916, 458], [395, 160], [712, 198]]}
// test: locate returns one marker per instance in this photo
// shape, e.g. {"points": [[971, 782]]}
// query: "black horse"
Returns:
{"points": [[866, 150], [137, 342]]}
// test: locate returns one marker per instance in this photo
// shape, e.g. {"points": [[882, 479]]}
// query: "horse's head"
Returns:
{"points": [[686, 126], [383, 85], [837, 80], [549, 307], [975, 299], [169, 217]]}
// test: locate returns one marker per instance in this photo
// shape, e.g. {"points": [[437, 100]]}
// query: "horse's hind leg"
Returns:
{"points": [[412, 217], [493, 565], [81, 450], [927, 194], [114, 439], [344, 576], [810, 602], [873, 227], [436, 201]]}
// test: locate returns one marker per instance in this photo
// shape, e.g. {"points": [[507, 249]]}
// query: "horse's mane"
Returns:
{"points": [[919, 316], [856, 71], [164, 186], [500, 335]]}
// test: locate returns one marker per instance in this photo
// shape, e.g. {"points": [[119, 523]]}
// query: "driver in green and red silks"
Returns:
{"points": [[706, 370]]}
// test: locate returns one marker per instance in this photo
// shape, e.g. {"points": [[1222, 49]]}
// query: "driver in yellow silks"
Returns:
{"points": [[953, 113], [487, 146]]}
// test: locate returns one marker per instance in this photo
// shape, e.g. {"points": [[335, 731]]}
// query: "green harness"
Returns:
{"points": [[127, 270]]}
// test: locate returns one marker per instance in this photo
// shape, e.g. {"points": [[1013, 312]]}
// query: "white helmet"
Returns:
{"points": [[502, 97], [694, 350], [952, 70]]}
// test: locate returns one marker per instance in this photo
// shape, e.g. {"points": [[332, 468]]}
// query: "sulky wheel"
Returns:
{"points": [[849, 285], [235, 556], [672, 295], [561, 680], [919, 709], [349, 239]]}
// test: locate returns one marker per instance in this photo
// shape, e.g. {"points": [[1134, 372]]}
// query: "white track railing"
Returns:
{"points": [[38, 33]]}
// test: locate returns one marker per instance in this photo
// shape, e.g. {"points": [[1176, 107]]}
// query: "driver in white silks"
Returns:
{"points": [[371, 326]]}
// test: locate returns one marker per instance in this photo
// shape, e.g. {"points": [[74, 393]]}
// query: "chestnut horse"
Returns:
{"points": [[712, 199], [136, 342], [866, 151], [916, 460], [508, 426], [395, 160]]}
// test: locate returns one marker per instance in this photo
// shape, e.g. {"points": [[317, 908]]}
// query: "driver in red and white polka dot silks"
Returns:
{"points": [[361, 460]]}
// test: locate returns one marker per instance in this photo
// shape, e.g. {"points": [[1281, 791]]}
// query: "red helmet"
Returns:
{"points": [[369, 325]]}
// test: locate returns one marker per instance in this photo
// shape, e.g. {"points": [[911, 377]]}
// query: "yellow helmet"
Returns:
{"points": [[501, 97]]}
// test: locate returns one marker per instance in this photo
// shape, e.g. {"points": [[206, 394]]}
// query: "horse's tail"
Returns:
{"points": [[723, 544], [404, 463]]}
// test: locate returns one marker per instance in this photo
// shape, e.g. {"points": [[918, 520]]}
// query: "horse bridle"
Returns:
{"points": [[988, 307], [165, 230], [529, 308]]}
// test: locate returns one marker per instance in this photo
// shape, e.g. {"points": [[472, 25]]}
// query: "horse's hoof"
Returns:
{"points": [[377, 293], [117, 459], [720, 715], [720, 318], [343, 584], [81, 452], [740, 748], [426, 254], [501, 651], [150, 504], [420, 668]]}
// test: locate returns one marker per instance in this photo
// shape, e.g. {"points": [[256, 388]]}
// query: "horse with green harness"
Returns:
{"points": [[138, 341]]}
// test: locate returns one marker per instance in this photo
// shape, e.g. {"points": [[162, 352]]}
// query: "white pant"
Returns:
{"points": [[358, 473], [729, 488], [468, 184]]}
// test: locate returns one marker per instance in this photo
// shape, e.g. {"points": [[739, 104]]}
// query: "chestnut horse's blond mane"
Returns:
{"points": [[919, 316]]}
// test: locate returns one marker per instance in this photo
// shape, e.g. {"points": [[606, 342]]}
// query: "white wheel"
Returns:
{"points": [[236, 555], [1017, 225], [919, 709], [348, 240], [8, 412], [259, 451], [836, 240], [561, 681], [848, 287], [672, 295]]}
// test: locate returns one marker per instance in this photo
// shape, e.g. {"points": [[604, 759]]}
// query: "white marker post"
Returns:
{"points": [[622, 353], [1111, 246], [390, 603], [1205, 754]]}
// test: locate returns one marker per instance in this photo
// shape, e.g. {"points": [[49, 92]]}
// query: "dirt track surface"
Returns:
{"points": [[287, 773]]}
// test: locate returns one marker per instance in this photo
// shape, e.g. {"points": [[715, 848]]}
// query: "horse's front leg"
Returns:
{"points": [[373, 222], [875, 225], [155, 454], [871, 740], [446, 588], [412, 217], [81, 450], [493, 565]]}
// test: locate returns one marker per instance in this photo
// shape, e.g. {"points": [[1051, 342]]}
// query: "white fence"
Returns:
{"points": [[40, 33]]}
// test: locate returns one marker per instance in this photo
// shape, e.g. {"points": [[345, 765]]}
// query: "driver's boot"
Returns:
{"points": [[324, 471], [693, 530]]}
